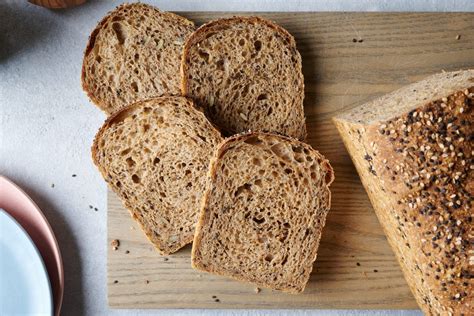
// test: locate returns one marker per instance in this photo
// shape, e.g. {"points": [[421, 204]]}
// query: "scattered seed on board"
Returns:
{"points": [[257, 290], [127, 252], [166, 259], [146, 281], [217, 300], [91, 207], [213, 296], [52, 185], [375, 270], [96, 209], [116, 281], [74, 175], [358, 264], [458, 37]]}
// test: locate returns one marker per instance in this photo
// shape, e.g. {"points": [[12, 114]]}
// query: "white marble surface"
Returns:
{"points": [[47, 126]]}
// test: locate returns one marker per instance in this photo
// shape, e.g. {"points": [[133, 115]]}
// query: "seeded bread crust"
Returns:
{"points": [[298, 254], [154, 155], [247, 100], [417, 167], [134, 54]]}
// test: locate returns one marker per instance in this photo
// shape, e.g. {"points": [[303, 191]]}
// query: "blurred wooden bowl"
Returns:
{"points": [[57, 4]]}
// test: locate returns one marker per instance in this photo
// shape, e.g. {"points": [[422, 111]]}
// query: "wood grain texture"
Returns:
{"points": [[390, 50]]}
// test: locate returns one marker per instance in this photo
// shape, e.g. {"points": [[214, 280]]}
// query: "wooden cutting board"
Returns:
{"points": [[348, 58]]}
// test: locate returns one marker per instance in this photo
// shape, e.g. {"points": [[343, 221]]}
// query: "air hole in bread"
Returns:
{"points": [[254, 140], [242, 188], [204, 55], [135, 178], [256, 162], [281, 150], [258, 182], [130, 162], [262, 96], [125, 152], [288, 171], [269, 258], [135, 86], [242, 42], [257, 45], [259, 220], [313, 175], [220, 65], [270, 110], [118, 184], [204, 139], [156, 161], [119, 32]]}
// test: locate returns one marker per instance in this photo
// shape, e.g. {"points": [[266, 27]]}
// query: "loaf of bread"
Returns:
{"points": [[155, 155], [246, 73], [133, 54], [263, 211], [413, 149]]}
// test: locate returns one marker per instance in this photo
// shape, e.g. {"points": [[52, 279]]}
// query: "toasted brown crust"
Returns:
{"points": [[203, 31], [101, 103], [417, 170], [212, 172], [113, 119]]}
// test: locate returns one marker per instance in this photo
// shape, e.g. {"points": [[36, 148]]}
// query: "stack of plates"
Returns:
{"points": [[31, 270]]}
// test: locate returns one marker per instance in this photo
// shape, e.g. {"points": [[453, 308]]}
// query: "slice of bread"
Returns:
{"points": [[263, 211], [413, 149], [246, 73], [134, 54], [155, 155]]}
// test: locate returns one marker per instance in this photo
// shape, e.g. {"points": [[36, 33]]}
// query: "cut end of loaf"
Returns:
{"points": [[237, 69], [155, 155], [263, 211], [409, 98], [134, 54]]}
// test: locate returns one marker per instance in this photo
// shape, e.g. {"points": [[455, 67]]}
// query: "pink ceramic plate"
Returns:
{"points": [[19, 205]]}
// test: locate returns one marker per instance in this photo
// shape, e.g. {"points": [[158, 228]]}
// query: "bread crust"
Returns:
{"points": [[111, 120], [102, 104], [427, 231], [221, 24], [224, 146]]}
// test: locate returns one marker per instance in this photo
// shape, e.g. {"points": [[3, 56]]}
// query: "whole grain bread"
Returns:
{"points": [[413, 151], [263, 211], [133, 54], [246, 73], [155, 155]]}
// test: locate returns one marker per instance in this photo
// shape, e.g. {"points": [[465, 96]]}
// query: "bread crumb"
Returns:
{"points": [[115, 244], [257, 290], [458, 37]]}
